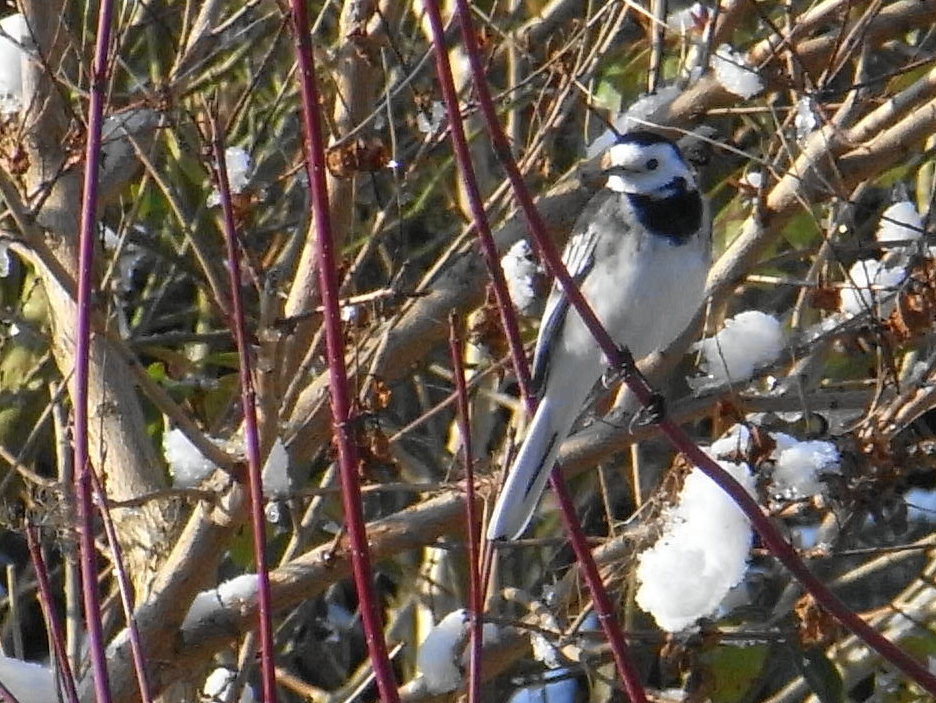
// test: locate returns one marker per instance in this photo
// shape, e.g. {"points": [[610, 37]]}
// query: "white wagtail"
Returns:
{"points": [[640, 253]]}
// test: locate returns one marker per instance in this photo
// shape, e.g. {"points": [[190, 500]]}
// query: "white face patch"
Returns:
{"points": [[644, 169]]}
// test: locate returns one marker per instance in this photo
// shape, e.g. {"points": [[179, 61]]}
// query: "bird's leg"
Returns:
{"points": [[621, 371], [655, 410], [652, 413]]}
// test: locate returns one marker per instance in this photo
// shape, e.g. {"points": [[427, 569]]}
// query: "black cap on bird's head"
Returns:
{"points": [[642, 137]]}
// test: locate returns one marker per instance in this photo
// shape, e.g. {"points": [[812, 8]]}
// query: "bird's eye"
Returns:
{"points": [[652, 164]]}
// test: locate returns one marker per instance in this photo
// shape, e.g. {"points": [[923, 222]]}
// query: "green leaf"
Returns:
{"points": [[157, 372], [820, 674], [801, 230], [228, 359], [735, 669], [217, 400]]}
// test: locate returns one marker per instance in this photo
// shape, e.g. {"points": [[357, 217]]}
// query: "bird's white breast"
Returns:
{"points": [[656, 286]]}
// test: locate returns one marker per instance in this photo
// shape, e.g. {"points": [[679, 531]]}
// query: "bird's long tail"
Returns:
{"points": [[527, 478]]}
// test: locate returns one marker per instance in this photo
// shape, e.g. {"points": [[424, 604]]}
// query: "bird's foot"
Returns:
{"points": [[615, 373], [650, 414]]}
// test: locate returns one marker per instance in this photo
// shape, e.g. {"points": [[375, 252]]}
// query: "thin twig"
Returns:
{"points": [[237, 321], [47, 602], [476, 596], [125, 589]]}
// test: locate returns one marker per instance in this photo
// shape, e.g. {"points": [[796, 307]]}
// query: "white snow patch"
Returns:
{"points": [[735, 74], [239, 593], [735, 442], [238, 166], [440, 655], [873, 287], [748, 340], [520, 270], [800, 465], [351, 314], [753, 180], [187, 464], [545, 651], [701, 554], [431, 123], [116, 146], [900, 222], [4, 258], [11, 62], [275, 474], [806, 119], [219, 683]]}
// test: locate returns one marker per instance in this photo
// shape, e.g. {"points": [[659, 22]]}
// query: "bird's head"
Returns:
{"points": [[644, 163]]}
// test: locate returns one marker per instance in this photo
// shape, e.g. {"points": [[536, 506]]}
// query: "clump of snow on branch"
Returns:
{"points": [[432, 122], [900, 223], [239, 166], [5, 260], [752, 180], [14, 34], [520, 270], [701, 554], [440, 655], [806, 119], [275, 474], [189, 467], [734, 74], [799, 466], [748, 340], [735, 442], [871, 286], [218, 686], [238, 593], [543, 648]]}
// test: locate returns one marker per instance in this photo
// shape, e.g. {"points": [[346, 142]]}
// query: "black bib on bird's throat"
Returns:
{"points": [[676, 217]]}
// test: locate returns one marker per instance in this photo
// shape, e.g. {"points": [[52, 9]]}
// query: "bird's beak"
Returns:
{"points": [[608, 167]]}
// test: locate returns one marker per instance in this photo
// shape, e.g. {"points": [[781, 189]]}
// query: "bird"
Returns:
{"points": [[639, 252]]}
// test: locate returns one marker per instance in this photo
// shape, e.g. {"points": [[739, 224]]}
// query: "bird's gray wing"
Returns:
{"points": [[579, 258]]}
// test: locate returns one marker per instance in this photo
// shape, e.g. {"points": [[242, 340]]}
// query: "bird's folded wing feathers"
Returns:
{"points": [[579, 258]]}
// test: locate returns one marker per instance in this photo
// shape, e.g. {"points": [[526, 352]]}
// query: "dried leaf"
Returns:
{"points": [[357, 156], [816, 626]]}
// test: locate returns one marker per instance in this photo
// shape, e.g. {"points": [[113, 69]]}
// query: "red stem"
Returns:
{"points": [[47, 602], [681, 441], [126, 590], [475, 595], [475, 202], [251, 434], [5, 694], [82, 470], [342, 417], [603, 605]]}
